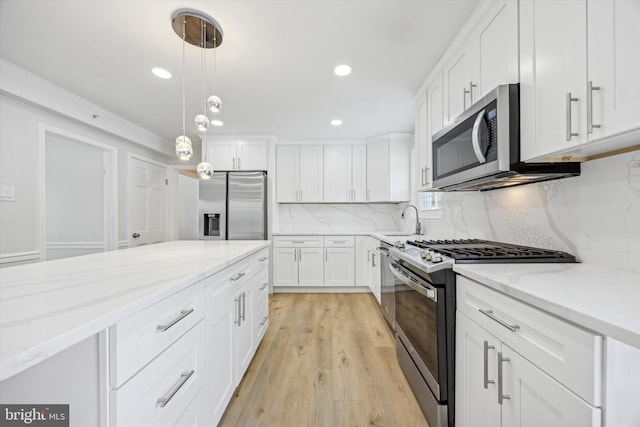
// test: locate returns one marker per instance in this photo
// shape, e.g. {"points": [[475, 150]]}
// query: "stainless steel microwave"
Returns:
{"points": [[480, 150]]}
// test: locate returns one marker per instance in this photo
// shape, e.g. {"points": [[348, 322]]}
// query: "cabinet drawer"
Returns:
{"points": [[568, 353], [261, 259], [138, 339], [220, 286], [339, 241], [262, 285], [165, 387], [297, 241]]}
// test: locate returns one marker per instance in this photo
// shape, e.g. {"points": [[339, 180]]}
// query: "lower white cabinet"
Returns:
{"points": [[339, 267], [500, 382], [243, 342]]}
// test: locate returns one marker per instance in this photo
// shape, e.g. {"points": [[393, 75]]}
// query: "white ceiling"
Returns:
{"points": [[275, 65]]}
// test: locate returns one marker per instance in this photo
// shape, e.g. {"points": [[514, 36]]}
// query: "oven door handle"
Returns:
{"points": [[424, 290]]}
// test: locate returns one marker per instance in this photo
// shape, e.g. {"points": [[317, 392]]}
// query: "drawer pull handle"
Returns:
{"points": [[237, 277], [264, 285], [264, 320], [489, 313], [183, 314], [297, 241], [501, 396], [183, 379], [264, 258], [339, 241]]}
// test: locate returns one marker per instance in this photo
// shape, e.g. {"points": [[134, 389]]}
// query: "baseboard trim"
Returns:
{"points": [[19, 257], [320, 289]]}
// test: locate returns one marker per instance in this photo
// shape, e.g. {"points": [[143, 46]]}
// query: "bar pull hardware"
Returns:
{"points": [[464, 98], [239, 163], [264, 285], [264, 258], [368, 195], [300, 255], [326, 254], [487, 381], [237, 321], [501, 396], [590, 89], [489, 313], [238, 277], [373, 259], [244, 307], [264, 320], [368, 255], [234, 163], [569, 101], [339, 241], [295, 255], [471, 86], [299, 242], [163, 401], [183, 314]]}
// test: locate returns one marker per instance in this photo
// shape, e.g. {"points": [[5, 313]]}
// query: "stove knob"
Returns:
{"points": [[436, 258], [426, 254]]}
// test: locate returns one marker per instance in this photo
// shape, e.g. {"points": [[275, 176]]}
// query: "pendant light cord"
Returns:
{"points": [[184, 37]]}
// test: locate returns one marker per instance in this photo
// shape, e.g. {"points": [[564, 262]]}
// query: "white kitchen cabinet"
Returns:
{"points": [[361, 262], [299, 173], [496, 38], [243, 343], [344, 173], [298, 261], [388, 168], [579, 66], [237, 155], [370, 259], [497, 386], [339, 261], [261, 306], [458, 73], [521, 366], [421, 135]]}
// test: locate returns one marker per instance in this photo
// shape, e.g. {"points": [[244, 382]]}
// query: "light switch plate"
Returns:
{"points": [[7, 193]]}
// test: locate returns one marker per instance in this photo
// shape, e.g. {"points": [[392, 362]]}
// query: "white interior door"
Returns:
{"points": [[147, 192], [78, 202]]}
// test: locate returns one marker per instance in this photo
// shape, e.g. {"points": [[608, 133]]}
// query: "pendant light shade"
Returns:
{"points": [[184, 149], [214, 103], [202, 122], [205, 170]]}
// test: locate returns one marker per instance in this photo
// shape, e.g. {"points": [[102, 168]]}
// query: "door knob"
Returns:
{"points": [[135, 235]]}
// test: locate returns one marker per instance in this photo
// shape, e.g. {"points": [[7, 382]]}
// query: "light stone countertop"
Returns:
{"points": [[602, 299], [49, 306], [390, 236]]}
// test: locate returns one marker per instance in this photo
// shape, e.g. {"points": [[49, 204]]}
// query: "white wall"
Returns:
{"points": [[595, 216], [19, 167]]}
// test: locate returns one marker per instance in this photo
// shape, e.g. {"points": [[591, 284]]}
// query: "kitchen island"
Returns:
{"points": [[123, 312]]}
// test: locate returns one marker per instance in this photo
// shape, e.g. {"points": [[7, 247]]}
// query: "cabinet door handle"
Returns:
{"points": [[184, 377], [590, 89], [326, 254], [569, 101], [339, 241], [487, 381], [237, 321], [244, 306], [300, 255], [501, 360], [368, 255], [299, 242], [234, 163], [264, 320], [238, 163], [354, 195], [183, 314], [264, 258], [464, 98], [373, 259], [368, 195], [471, 86], [295, 255], [264, 285], [238, 276], [489, 313]]}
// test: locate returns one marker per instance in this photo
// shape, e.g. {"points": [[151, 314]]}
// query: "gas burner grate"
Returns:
{"points": [[484, 251]]}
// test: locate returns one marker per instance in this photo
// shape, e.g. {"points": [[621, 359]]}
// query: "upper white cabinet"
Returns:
{"points": [[299, 173], [344, 173], [237, 155], [458, 80], [579, 68], [496, 40], [388, 168], [429, 120]]}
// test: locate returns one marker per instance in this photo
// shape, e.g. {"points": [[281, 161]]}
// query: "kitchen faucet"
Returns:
{"points": [[418, 225]]}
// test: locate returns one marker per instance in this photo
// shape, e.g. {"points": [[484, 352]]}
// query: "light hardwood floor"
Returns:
{"points": [[326, 360]]}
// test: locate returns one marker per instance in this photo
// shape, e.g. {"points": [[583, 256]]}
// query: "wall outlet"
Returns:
{"points": [[7, 193]]}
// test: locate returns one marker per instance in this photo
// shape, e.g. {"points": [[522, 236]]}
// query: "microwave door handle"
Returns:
{"points": [[427, 292], [475, 138]]}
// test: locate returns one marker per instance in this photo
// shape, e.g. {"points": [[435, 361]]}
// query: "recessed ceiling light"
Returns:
{"points": [[336, 122], [161, 72], [217, 122], [342, 70]]}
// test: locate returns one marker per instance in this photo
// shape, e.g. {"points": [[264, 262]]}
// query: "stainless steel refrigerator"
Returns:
{"points": [[233, 206]]}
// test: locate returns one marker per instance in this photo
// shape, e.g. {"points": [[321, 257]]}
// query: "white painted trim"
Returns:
{"points": [[19, 257], [321, 289], [75, 245], [123, 244], [110, 185], [18, 83], [103, 376]]}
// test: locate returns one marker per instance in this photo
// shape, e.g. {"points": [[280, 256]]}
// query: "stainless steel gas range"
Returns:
{"points": [[425, 306]]}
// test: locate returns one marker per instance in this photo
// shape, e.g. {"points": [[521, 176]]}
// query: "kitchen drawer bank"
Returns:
{"points": [[554, 338], [158, 359]]}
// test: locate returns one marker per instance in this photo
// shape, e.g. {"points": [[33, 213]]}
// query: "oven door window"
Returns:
{"points": [[416, 316]]}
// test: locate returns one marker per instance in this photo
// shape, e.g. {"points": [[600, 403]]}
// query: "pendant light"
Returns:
{"points": [[184, 149], [214, 102], [198, 29]]}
